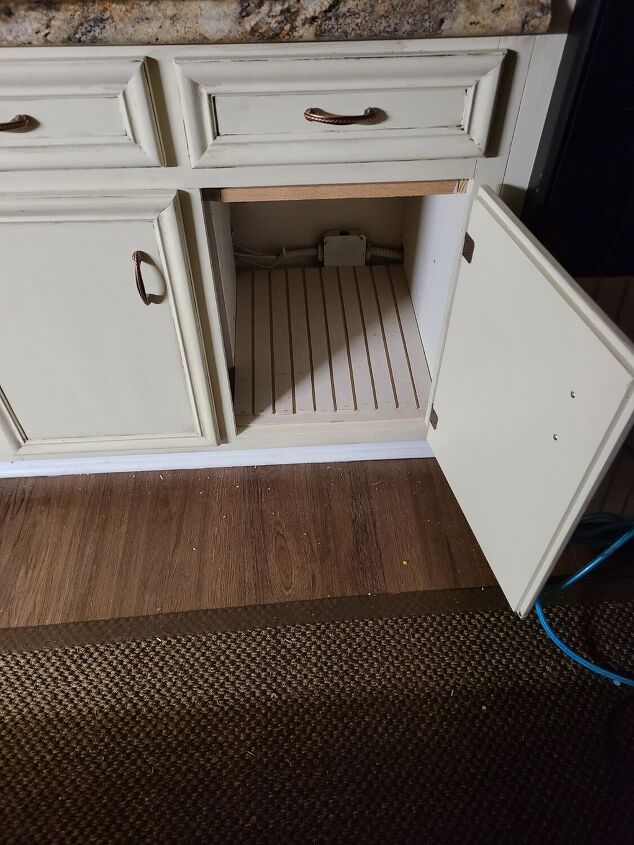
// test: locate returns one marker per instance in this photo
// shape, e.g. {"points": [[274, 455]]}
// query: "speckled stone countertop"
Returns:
{"points": [[65, 22]]}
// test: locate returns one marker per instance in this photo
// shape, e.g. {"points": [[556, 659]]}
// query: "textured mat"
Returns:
{"points": [[459, 728]]}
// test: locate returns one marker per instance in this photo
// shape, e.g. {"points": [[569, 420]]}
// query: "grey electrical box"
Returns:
{"points": [[344, 248]]}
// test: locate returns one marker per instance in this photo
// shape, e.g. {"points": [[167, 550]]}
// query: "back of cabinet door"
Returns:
{"points": [[535, 392]]}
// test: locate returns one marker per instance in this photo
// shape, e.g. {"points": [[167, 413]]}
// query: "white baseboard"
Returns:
{"points": [[217, 458]]}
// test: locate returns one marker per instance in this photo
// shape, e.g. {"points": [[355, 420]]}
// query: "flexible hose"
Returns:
{"points": [[387, 252], [597, 561]]}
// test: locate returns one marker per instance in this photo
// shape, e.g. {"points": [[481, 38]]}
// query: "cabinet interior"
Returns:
{"points": [[312, 343]]}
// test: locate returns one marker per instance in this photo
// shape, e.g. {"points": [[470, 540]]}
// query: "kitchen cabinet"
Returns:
{"points": [[466, 335], [77, 112], [85, 364], [415, 105], [528, 388]]}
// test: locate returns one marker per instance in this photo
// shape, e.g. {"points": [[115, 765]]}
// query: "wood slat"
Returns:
{"points": [[282, 377], [304, 400], [399, 364], [262, 376], [324, 399], [244, 345], [340, 362], [363, 388], [381, 376], [411, 334]]}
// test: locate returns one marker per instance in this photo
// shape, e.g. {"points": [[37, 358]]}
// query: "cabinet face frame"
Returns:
{"points": [[162, 211]]}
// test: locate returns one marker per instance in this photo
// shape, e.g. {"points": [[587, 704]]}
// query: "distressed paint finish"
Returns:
{"points": [[121, 22]]}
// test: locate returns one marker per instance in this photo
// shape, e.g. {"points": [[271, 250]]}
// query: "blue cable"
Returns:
{"points": [[599, 670]]}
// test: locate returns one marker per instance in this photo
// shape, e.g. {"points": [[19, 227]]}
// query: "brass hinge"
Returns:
{"points": [[468, 247], [433, 418]]}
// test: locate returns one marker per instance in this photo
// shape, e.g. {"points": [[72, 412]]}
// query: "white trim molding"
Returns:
{"points": [[212, 459]]}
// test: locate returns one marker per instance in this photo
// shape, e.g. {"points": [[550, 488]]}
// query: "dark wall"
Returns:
{"points": [[581, 200]]}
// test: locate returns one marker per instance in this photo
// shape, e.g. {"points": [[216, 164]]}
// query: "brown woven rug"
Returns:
{"points": [[437, 728]]}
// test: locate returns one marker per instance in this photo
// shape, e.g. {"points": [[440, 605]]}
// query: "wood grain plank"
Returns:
{"points": [[363, 388], [339, 191], [106, 546], [281, 344], [381, 375], [324, 397], [243, 401], [339, 358], [262, 370], [411, 335], [302, 375], [399, 363]]}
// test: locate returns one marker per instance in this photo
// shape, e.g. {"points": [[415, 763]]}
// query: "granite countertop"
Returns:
{"points": [[65, 22]]}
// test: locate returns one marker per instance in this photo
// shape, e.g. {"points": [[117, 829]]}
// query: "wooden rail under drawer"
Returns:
{"points": [[339, 191]]}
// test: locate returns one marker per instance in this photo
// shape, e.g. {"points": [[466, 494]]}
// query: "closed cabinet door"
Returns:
{"points": [[100, 343], [534, 395]]}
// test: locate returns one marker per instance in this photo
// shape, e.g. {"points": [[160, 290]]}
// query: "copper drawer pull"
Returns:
{"points": [[137, 258], [20, 121], [321, 116]]}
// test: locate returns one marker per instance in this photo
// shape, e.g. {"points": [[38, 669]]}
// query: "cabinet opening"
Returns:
{"points": [[333, 308]]}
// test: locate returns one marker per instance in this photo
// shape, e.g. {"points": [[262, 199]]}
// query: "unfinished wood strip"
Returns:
{"points": [[411, 336], [303, 382], [381, 376], [281, 344], [363, 390], [263, 387], [403, 384], [340, 191], [244, 345], [340, 362], [324, 400]]}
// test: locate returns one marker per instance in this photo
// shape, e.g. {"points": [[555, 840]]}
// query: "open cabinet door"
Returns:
{"points": [[535, 392]]}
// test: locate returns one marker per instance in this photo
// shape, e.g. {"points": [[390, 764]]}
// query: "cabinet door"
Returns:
{"points": [[85, 365], [534, 394]]}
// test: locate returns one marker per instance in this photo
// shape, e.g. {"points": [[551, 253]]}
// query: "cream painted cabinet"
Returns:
{"points": [[530, 387], [77, 112], [85, 364], [534, 394], [414, 105]]}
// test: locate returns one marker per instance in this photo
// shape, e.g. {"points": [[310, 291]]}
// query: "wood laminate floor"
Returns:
{"points": [[79, 548]]}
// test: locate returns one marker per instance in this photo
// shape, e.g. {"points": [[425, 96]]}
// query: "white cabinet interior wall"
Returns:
{"points": [[139, 190]]}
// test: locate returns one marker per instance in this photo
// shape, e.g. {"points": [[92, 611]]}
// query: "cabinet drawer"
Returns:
{"points": [[81, 113], [251, 111]]}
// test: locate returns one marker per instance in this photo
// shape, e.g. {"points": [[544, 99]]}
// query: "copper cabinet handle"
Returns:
{"points": [[20, 121], [321, 116], [137, 258]]}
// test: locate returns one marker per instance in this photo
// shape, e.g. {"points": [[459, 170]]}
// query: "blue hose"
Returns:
{"points": [[599, 670]]}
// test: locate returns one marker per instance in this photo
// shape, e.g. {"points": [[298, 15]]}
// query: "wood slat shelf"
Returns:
{"points": [[327, 344]]}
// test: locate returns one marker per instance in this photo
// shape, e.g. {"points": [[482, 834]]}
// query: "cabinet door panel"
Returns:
{"points": [[535, 392], [83, 361]]}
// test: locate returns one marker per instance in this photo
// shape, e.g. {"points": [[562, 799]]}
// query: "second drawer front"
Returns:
{"points": [[82, 113], [248, 112]]}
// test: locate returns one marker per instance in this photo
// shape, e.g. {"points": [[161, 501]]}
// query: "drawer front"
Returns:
{"points": [[81, 113], [250, 112]]}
